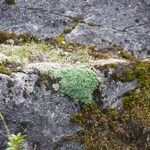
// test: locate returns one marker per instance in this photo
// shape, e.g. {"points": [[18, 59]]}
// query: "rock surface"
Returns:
{"points": [[32, 104], [30, 107], [122, 22]]}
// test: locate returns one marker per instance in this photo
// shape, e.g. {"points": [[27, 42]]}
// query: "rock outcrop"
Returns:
{"points": [[30, 107], [100, 22], [64, 34]]}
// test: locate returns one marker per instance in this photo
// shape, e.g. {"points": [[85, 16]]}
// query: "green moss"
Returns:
{"points": [[29, 52], [4, 36], [107, 129], [60, 39], [77, 19], [119, 128], [5, 70], [17, 39], [10, 2], [44, 52], [79, 52], [15, 142], [137, 70], [137, 101], [77, 82], [126, 55], [70, 28], [119, 51], [126, 76]]}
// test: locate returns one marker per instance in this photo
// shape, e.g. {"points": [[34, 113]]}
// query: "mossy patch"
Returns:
{"points": [[137, 70], [138, 100], [70, 28], [124, 54], [108, 129], [89, 51], [29, 52], [78, 83], [77, 19], [5, 70], [5, 37], [119, 128], [43, 52], [8, 67], [10, 2]]}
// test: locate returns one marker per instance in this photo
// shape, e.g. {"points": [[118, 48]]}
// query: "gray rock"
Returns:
{"points": [[111, 91], [122, 22], [33, 106], [73, 145], [38, 21], [30, 107]]}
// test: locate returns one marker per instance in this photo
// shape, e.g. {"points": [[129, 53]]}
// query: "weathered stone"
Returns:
{"points": [[124, 22], [31, 104], [32, 109]]}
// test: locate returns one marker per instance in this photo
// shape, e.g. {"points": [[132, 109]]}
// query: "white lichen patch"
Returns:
{"points": [[110, 61], [3, 57], [31, 52], [45, 67]]}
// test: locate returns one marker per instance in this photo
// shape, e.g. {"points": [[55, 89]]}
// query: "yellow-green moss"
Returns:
{"points": [[77, 19], [137, 102], [5, 69], [70, 28], [16, 39], [60, 39], [119, 128], [121, 52], [28, 52], [110, 129], [137, 70], [89, 51]]}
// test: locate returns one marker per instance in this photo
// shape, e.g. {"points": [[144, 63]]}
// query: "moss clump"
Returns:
{"points": [[29, 52], [40, 52], [126, 75], [108, 129], [4, 36], [140, 97], [77, 19], [77, 82], [7, 67], [5, 70], [138, 100], [76, 49], [17, 39], [60, 39], [119, 51], [10, 2], [139, 71], [71, 27], [123, 128], [15, 142]]}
